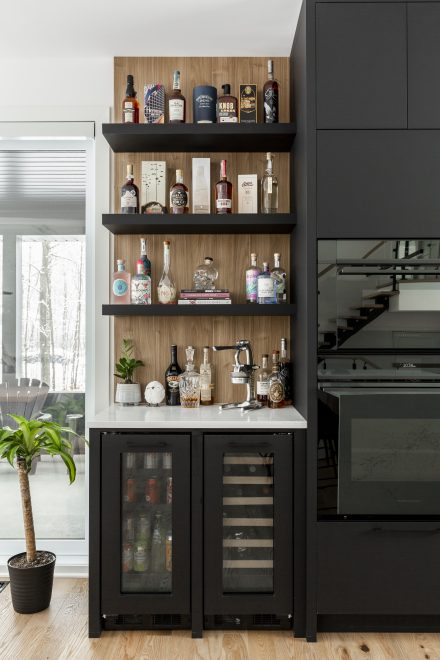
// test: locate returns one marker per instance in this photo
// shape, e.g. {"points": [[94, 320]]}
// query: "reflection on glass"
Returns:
{"points": [[248, 522], [147, 494]]}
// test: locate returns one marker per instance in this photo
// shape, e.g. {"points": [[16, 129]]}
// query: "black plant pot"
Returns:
{"points": [[31, 588]]}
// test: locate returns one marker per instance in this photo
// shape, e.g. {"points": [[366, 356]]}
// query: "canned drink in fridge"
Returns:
{"points": [[130, 460], [128, 528], [151, 460], [169, 553], [130, 490], [127, 557], [140, 558], [144, 528], [167, 460], [152, 493], [169, 497]]}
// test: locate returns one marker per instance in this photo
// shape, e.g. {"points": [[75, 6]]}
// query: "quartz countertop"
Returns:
{"points": [[205, 417]]}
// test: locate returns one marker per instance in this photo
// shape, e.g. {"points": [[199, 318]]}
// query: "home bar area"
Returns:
{"points": [[272, 458]]}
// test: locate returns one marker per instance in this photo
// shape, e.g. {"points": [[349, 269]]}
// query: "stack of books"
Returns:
{"points": [[208, 297]]}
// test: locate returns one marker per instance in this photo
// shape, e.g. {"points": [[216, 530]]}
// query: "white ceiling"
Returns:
{"points": [[104, 28]]}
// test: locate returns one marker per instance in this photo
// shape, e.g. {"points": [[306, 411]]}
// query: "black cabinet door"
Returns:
{"points": [[379, 568], [378, 184], [424, 65], [248, 564], [361, 56], [145, 524]]}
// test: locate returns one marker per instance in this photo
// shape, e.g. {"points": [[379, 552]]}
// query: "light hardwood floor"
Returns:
{"points": [[61, 632]]}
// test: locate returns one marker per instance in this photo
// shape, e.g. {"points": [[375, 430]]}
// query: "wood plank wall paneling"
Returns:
{"points": [[154, 336]]}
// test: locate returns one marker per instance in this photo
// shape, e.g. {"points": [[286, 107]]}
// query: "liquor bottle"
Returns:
{"points": [[166, 289], [251, 280], [158, 546], [263, 381], [130, 105], [276, 386], [179, 198], [286, 372], [266, 287], [145, 260], [140, 286], [189, 382], [206, 387], [121, 284], [270, 97], [269, 188], [129, 193], [227, 106], [278, 274], [176, 102], [223, 192], [172, 395]]}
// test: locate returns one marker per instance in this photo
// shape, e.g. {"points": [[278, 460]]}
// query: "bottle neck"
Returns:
{"points": [[283, 352], [265, 268], [121, 268], [173, 354], [129, 92], [269, 167], [166, 259], [264, 363], [254, 262], [223, 170], [205, 356], [176, 81], [179, 177], [143, 247], [276, 261]]}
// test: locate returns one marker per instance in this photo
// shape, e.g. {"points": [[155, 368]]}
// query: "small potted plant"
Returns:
{"points": [[128, 393], [31, 572]]}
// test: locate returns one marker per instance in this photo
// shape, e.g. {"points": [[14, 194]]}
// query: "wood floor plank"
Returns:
{"points": [[60, 633]]}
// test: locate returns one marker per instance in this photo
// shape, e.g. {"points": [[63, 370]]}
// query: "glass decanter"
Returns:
{"points": [[205, 275], [166, 289], [189, 383]]}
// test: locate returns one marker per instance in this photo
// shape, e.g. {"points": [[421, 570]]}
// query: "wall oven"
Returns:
{"points": [[379, 380]]}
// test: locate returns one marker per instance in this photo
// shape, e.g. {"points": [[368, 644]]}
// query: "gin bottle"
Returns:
{"points": [[166, 289], [252, 274], [145, 260], [269, 188], [278, 274], [266, 294], [140, 286], [121, 284]]}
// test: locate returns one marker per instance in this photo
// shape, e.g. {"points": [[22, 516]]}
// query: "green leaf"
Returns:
{"points": [[70, 464]]}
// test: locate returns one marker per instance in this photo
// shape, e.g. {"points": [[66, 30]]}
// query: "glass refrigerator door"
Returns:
{"points": [[146, 517], [248, 518]]}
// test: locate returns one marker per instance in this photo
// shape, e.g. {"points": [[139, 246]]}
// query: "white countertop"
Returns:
{"points": [[131, 417]]}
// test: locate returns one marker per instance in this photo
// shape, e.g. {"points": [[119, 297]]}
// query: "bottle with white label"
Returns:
{"points": [[140, 286], [279, 276], [166, 289], [179, 196], [263, 381], [266, 288], [176, 102], [223, 192], [206, 387], [269, 188], [129, 193], [121, 285]]}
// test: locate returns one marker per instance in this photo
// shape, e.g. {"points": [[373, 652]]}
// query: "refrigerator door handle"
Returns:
{"points": [[146, 445]]}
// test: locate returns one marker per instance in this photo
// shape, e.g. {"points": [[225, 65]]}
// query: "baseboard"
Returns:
{"points": [[378, 623]]}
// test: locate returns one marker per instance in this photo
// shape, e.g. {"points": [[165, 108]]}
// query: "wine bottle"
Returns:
{"points": [[172, 394]]}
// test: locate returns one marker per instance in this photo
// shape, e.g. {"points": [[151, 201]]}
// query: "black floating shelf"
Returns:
{"points": [[124, 138], [198, 310], [233, 223]]}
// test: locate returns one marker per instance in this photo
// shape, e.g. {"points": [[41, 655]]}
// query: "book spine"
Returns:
{"points": [[200, 296], [205, 301]]}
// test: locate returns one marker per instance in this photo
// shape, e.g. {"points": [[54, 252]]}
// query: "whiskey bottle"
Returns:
{"points": [[223, 192], [276, 385], [140, 286], [176, 102], [179, 198], [206, 387], [278, 274], [269, 188], [227, 106], [166, 289], [263, 381], [286, 372], [270, 97], [121, 284], [172, 394], [265, 287], [130, 105], [145, 260], [252, 274], [129, 193]]}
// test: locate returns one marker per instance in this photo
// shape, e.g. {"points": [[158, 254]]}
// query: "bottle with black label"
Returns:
{"points": [[286, 372], [172, 394], [130, 104], [270, 97], [227, 106], [179, 197], [176, 102]]}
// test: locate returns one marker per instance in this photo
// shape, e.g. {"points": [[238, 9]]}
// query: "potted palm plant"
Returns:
{"points": [[31, 572], [128, 393]]}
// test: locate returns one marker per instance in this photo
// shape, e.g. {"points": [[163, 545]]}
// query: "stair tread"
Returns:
{"points": [[355, 318], [381, 294], [370, 306]]}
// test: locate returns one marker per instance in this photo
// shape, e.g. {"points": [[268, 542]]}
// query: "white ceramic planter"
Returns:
{"points": [[128, 394]]}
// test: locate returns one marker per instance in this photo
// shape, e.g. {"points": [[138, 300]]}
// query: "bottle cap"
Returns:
{"points": [[120, 261], [166, 243], [129, 79], [270, 66], [265, 264], [179, 176], [208, 260], [276, 255], [226, 89], [269, 156]]}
